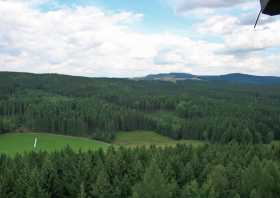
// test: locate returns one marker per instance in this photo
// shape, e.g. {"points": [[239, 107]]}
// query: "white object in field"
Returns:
{"points": [[35, 143]]}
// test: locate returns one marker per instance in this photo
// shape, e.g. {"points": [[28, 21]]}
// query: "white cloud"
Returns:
{"points": [[30, 2], [219, 25], [247, 39], [182, 6], [91, 41]]}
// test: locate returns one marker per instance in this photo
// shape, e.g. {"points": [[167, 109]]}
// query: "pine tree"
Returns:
{"points": [[82, 193], [236, 195], [217, 182], [34, 188], [254, 194], [191, 190], [153, 185], [102, 187]]}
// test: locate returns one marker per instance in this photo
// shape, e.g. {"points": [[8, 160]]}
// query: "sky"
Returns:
{"points": [[132, 38]]}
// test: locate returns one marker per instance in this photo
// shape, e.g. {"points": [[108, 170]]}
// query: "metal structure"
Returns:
{"points": [[269, 7], [35, 143]]}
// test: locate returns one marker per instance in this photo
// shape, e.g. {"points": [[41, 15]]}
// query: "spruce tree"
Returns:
{"points": [[154, 184]]}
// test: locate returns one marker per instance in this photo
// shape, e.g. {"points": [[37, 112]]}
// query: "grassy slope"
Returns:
{"points": [[23, 142], [146, 138]]}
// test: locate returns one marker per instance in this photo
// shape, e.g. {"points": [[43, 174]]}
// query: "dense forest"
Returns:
{"points": [[210, 171], [217, 112]]}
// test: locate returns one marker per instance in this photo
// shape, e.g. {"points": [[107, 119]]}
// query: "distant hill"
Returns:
{"points": [[171, 77], [233, 78]]}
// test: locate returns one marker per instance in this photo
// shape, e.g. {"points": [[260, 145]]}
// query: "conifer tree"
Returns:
{"points": [[153, 185]]}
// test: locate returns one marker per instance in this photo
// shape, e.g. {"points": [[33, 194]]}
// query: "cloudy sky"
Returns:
{"points": [[128, 38]]}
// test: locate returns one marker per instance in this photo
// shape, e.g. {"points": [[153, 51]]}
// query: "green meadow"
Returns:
{"points": [[13, 143]]}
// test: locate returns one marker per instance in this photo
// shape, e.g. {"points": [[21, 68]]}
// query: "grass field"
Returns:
{"points": [[147, 138], [13, 143]]}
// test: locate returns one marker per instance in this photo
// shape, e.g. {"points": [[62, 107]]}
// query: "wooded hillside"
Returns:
{"points": [[99, 107]]}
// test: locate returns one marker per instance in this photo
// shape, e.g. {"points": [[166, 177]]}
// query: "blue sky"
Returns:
{"points": [[126, 38], [158, 15]]}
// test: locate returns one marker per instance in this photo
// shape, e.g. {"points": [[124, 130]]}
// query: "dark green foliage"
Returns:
{"points": [[231, 171], [7, 124], [154, 184], [99, 108], [191, 190]]}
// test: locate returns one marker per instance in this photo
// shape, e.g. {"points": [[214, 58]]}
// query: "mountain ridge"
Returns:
{"points": [[231, 77]]}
